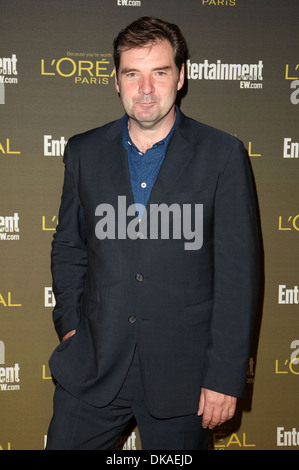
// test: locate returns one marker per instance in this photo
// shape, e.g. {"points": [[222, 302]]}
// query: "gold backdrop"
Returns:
{"points": [[56, 80]]}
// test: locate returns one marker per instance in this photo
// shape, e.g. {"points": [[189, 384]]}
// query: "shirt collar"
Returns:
{"points": [[127, 142]]}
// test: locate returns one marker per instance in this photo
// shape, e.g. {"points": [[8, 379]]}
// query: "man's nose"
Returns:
{"points": [[146, 86]]}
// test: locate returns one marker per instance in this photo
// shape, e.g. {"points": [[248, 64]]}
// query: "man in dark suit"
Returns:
{"points": [[154, 262]]}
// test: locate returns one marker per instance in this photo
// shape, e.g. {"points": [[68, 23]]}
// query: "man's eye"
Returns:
{"points": [[131, 75]]}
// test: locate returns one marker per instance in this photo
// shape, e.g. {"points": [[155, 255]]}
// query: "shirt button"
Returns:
{"points": [[139, 277], [143, 185], [132, 319]]}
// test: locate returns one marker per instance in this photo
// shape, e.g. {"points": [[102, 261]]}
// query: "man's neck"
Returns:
{"points": [[144, 138]]}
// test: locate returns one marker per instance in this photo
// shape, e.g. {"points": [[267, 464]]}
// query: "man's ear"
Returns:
{"points": [[116, 81], [181, 78]]}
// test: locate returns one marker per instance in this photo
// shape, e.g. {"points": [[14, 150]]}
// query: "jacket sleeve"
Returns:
{"points": [[236, 276], [68, 256]]}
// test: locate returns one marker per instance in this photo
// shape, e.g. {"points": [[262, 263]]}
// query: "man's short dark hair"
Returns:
{"points": [[148, 31]]}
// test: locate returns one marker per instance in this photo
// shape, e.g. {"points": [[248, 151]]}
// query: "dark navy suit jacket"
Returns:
{"points": [[190, 312]]}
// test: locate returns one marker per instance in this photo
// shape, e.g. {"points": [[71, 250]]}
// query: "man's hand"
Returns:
{"points": [[215, 408], [68, 335]]}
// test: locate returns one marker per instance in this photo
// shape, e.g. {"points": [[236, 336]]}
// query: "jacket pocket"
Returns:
{"points": [[198, 313], [65, 344]]}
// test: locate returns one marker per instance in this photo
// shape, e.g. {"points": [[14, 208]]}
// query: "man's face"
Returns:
{"points": [[148, 81]]}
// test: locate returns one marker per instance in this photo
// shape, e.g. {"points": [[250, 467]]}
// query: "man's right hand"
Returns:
{"points": [[68, 335]]}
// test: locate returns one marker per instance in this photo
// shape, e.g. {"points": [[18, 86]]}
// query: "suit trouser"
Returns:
{"points": [[77, 425]]}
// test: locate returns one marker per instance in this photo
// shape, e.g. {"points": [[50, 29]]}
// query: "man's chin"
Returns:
{"points": [[150, 118], [146, 122]]}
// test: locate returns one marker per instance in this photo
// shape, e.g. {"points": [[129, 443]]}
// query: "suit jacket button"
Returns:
{"points": [[139, 277], [132, 319]]}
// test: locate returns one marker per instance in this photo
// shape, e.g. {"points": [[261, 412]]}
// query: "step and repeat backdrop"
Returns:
{"points": [[56, 80]]}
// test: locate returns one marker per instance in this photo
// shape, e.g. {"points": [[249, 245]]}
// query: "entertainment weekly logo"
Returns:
{"points": [[166, 222], [9, 375], [128, 3], [9, 227], [8, 74], [250, 76]]}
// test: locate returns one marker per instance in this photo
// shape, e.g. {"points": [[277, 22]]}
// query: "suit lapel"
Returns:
{"points": [[178, 155], [117, 162]]}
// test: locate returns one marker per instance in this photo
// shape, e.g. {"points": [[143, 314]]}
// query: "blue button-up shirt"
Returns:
{"points": [[144, 167]]}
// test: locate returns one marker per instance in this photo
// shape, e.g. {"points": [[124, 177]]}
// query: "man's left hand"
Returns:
{"points": [[215, 408]]}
